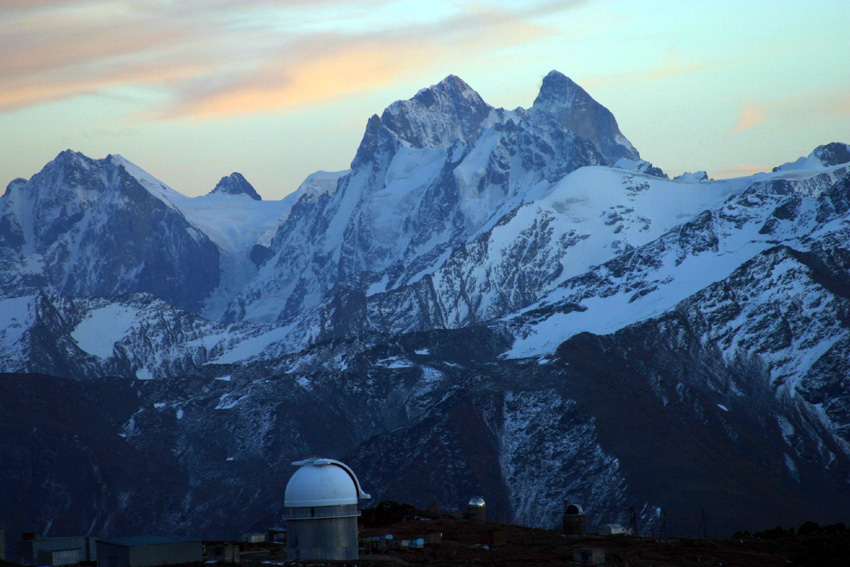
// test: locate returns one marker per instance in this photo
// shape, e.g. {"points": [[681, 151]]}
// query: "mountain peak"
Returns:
{"points": [[557, 87], [69, 154], [563, 99], [235, 184], [67, 158], [439, 115], [825, 156], [834, 153], [453, 83], [13, 184]]}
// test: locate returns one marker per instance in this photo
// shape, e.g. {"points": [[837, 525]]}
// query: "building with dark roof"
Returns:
{"points": [[36, 549], [147, 551]]}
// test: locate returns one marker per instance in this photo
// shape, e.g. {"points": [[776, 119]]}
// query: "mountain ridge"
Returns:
{"points": [[87, 227], [429, 171], [486, 303]]}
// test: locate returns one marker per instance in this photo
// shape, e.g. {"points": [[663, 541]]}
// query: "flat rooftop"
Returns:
{"points": [[138, 541]]}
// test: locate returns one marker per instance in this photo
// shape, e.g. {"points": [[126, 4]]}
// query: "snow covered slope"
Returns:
{"points": [[239, 222], [589, 217], [798, 209], [430, 174]]}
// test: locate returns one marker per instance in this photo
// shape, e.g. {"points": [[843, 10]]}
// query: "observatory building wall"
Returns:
{"points": [[321, 511], [330, 538]]}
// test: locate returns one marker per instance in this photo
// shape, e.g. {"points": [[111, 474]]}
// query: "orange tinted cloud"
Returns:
{"points": [[842, 105], [328, 77], [52, 50], [212, 59], [795, 110], [751, 115], [42, 90], [332, 67]]}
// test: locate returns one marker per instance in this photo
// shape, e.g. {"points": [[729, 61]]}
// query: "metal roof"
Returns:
{"points": [[322, 482], [138, 541]]}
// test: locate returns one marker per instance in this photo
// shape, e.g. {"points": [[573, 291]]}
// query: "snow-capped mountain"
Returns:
{"points": [[84, 227], [238, 222], [489, 302], [431, 173], [235, 184], [88, 227], [800, 209], [137, 335]]}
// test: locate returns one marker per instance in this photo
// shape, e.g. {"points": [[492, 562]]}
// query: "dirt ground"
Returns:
{"points": [[463, 544], [528, 546]]}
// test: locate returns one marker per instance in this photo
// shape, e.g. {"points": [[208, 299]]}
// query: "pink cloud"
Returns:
{"points": [[800, 109], [286, 83], [50, 50], [841, 107]]}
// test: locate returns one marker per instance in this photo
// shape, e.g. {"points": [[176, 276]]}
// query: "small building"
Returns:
{"points": [[57, 557], [32, 546], [148, 551], [224, 552], [255, 537], [321, 511], [381, 543], [613, 529], [277, 535], [476, 511], [589, 555], [574, 520]]}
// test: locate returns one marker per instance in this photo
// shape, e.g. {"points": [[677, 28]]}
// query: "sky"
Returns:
{"points": [[192, 90]]}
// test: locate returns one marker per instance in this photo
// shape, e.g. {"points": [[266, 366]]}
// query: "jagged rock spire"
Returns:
{"points": [[578, 112], [235, 184]]}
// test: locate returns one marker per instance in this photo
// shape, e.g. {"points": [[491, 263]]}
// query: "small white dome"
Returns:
{"points": [[477, 502], [322, 482]]}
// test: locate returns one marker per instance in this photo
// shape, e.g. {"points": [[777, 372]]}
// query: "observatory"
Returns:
{"points": [[574, 520], [476, 510], [321, 511]]}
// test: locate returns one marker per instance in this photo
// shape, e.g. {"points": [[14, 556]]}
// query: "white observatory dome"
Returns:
{"points": [[477, 502], [322, 482]]}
